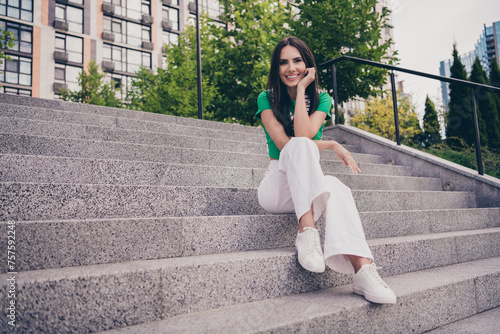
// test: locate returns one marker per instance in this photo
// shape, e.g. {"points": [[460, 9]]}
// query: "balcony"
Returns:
{"points": [[108, 36], [109, 66], [148, 45], [166, 2], [147, 19], [61, 24], [108, 8], [58, 86], [166, 24], [60, 56]]}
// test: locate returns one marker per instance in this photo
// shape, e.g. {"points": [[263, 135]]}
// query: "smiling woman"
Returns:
{"points": [[293, 112]]}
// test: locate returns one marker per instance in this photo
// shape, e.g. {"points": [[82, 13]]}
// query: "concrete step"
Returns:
{"points": [[118, 240], [18, 106], [119, 122], [426, 299], [48, 169], [115, 295], [480, 323], [36, 127], [81, 148], [29, 201]]}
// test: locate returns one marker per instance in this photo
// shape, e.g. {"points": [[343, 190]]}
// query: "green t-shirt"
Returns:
{"points": [[263, 103]]}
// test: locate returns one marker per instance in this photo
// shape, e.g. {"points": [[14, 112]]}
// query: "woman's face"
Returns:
{"points": [[292, 66]]}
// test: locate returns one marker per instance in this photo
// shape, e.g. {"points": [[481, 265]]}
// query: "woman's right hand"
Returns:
{"points": [[308, 77], [346, 157]]}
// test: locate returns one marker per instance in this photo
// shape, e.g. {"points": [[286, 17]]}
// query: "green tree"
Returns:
{"points": [[430, 135], [93, 89], [6, 42], [173, 90], [489, 125], [495, 81], [378, 118], [240, 66], [459, 115], [332, 28]]}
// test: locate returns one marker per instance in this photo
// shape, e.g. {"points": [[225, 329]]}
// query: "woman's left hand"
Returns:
{"points": [[309, 76], [346, 157]]}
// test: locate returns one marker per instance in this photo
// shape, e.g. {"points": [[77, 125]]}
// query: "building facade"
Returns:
{"points": [[486, 49], [56, 39]]}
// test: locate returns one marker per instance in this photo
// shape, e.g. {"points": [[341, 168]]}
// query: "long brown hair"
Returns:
{"points": [[276, 89]]}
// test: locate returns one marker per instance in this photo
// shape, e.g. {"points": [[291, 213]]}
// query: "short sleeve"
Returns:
{"points": [[263, 103], [325, 104]]}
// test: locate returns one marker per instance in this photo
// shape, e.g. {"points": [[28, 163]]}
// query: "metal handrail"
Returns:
{"points": [[394, 97]]}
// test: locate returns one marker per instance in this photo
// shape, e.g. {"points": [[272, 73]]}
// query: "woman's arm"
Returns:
{"points": [[274, 128], [341, 153], [306, 125], [277, 132], [280, 138]]}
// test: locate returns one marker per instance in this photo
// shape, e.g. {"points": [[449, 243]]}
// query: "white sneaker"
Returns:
{"points": [[367, 282], [309, 250]]}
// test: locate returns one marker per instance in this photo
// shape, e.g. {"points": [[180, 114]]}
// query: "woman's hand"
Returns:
{"points": [[346, 157], [309, 76]]}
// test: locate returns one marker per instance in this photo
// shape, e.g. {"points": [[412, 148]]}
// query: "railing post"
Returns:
{"points": [[334, 75], [395, 105], [476, 132], [198, 63]]}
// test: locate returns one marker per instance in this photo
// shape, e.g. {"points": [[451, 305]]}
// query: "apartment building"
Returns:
{"points": [[56, 39], [486, 49]]}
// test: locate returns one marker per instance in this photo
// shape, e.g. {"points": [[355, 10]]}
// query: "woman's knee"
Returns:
{"points": [[301, 145], [302, 141]]}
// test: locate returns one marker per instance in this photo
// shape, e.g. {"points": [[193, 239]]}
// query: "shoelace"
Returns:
{"points": [[378, 280], [313, 242]]}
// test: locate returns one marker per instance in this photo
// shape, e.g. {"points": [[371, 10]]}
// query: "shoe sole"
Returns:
{"points": [[374, 299], [317, 270]]}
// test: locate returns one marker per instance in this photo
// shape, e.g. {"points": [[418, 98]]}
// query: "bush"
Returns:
{"points": [[465, 155]]}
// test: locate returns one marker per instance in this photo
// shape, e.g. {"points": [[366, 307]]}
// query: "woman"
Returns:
{"points": [[293, 111]]}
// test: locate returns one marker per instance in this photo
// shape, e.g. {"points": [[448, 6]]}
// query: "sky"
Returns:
{"points": [[424, 33]]}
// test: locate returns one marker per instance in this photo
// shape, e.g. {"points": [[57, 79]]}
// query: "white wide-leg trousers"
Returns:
{"points": [[295, 183]]}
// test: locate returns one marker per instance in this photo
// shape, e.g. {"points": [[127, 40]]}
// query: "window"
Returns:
{"points": [[67, 74], [71, 45], [127, 32], [172, 15], [17, 71], [132, 9], [16, 91], [126, 60], [72, 15], [18, 9], [122, 82], [23, 36], [170, 38], [213, 8]]}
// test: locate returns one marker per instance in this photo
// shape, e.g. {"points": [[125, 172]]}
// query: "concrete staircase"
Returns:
{"points": [[142, 223]]}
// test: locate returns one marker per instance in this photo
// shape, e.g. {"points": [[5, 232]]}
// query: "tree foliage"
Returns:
{"points": [[93, 89], [6, 42], [174, 89], [242, 61], [489, 125], [236, 60], [431, 132], [333, 28], [495, 81], [378, 118], [459, 116]]}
